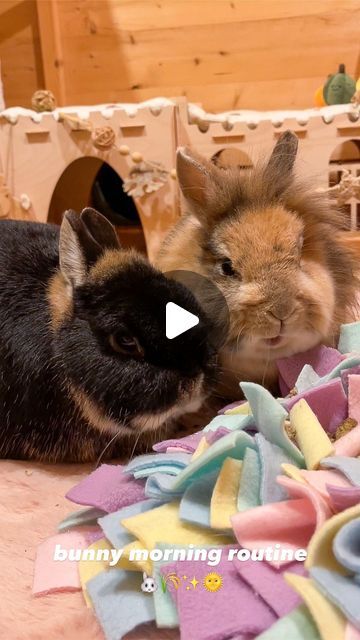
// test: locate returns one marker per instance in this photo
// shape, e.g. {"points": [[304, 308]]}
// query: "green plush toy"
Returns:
{"points": [[339, 88]]}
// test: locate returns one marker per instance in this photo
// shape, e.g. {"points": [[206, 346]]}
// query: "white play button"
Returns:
{"points": [[178, 320]]}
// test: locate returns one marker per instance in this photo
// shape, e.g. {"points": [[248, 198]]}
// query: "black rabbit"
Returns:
{"points": [[84, 359]]}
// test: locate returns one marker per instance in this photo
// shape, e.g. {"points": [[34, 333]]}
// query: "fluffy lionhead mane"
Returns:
{"points": [[216, 195]]}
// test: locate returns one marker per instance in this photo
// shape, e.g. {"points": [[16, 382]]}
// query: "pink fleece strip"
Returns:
{"points": [[354, 397], [298, 490], [349, 444], [351, 632], [321, 478], [290, 523], [52, 575]]}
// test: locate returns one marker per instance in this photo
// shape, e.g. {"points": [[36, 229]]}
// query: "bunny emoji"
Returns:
{"points": [[148, 585]]}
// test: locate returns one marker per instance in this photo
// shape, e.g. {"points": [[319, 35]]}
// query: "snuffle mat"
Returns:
{"points": [[247, 529]]}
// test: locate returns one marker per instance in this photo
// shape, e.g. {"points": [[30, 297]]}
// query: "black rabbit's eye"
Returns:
{"points": [[227, 268], [126, 344]]}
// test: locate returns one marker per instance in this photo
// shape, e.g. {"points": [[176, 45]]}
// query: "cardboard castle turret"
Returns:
{"points": [[139, 142]]}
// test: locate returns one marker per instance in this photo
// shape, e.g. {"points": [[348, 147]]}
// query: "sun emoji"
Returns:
{"points": [[213, 582]]}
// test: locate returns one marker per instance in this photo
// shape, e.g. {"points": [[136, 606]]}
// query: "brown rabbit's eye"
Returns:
{"points": [[227, 268], [126, 344]]}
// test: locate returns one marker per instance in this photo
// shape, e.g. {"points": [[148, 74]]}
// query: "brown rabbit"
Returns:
{"points": [[272, 244]]}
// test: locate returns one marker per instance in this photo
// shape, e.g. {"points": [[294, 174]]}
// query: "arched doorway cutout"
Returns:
{"points": [[90, 181], [232, 157]]}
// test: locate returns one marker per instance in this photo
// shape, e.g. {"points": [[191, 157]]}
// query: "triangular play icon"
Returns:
{"points": [[178, 320]]}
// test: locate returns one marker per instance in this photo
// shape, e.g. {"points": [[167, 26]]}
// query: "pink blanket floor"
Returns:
{"points": [[32, 503]]}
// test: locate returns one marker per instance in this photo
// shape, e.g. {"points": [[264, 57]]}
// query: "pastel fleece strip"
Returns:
{"points": [[231, 422], [114, 530], [54, 575], [308, 378], [195, 503], [330, 622], [346, 546], [223, 503], [89, 568], [349, 339], [322, 359], [342, 591], [349, 444], [320, 549], [290, 523], [119, 602], [189, 443], [233, 445], [163, 525], [310, 435], [249, 489], [345, 375], [84, 517], [328, 402], [349, 467], [271, 459], [297, 625], [297, 490], [321, 478], [108, 488], [156, 462], [160, 486], [343, 497], [270, 419], [354, 397], [269, 583], [216, 616]]}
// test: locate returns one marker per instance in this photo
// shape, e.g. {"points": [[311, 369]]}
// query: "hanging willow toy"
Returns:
{"points": [[145, 178], [348, 187]]}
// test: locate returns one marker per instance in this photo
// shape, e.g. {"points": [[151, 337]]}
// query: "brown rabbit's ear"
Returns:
{"points": [[283, 157], [194, 175], [82, 241]]}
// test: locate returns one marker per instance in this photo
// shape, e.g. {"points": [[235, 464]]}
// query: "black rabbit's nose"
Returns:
{"points": [[201, 297]]}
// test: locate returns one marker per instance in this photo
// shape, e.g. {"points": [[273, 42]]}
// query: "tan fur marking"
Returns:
{"points": [[92, 414], [60, 299], [145, 422], [111, 262]]}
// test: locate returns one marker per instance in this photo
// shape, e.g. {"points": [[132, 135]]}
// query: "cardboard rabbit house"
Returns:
{"points": [[58, 153], [329, 141]]}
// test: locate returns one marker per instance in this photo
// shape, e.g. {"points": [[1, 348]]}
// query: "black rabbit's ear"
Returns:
{"points": [[82, 241], [283, 156], [100, 228]]}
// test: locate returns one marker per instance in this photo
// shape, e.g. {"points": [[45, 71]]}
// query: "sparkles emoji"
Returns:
{"points": [[194, 582]]}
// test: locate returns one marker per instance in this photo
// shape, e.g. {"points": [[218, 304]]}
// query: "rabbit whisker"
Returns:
{"points": [[106, 448]]}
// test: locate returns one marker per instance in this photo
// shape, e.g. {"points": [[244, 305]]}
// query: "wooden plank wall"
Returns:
{"points": [[20, 54], [263, 54]]}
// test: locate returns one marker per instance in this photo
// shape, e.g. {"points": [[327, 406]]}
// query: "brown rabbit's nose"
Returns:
{"points": [[282, 311]]}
